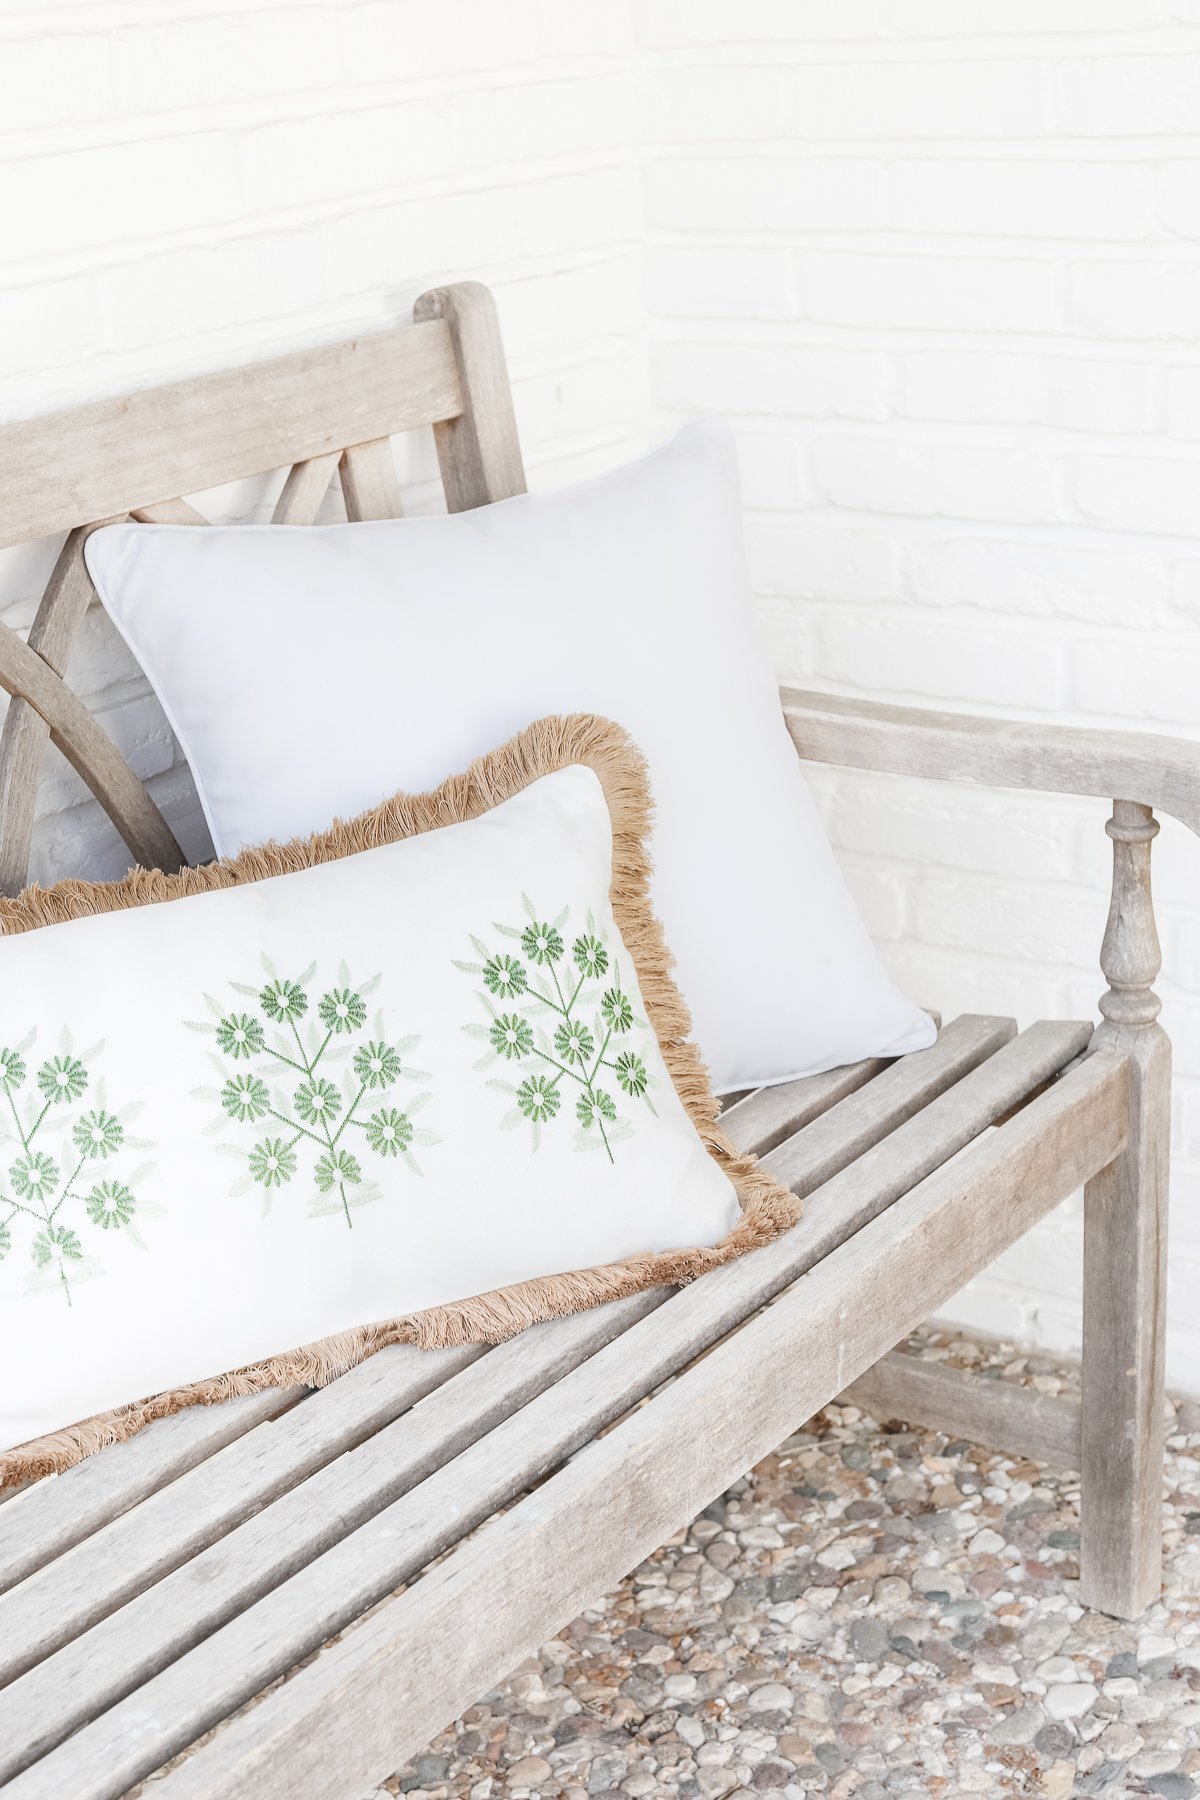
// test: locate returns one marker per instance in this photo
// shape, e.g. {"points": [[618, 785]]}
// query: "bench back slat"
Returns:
{"points": [[138, 456]]}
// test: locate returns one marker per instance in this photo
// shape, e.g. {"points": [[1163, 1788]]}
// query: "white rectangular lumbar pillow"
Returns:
{"points": [[310, 671], [423, 1078]]}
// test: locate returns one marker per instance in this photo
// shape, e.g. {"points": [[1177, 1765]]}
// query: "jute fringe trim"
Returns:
{"points": [[545, 747]]}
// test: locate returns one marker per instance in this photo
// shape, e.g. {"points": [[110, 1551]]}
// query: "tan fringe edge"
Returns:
{"points": [[545, 747]]}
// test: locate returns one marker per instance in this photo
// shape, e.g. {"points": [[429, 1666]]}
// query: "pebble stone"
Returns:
{"points": [[874, 1612]]}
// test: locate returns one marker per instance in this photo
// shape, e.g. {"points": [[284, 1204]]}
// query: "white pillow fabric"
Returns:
{"points": [[264, 1114], [309, 671]]}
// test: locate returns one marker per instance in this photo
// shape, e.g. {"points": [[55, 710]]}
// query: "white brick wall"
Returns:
{"points": [[941, 264], [939, 260]]}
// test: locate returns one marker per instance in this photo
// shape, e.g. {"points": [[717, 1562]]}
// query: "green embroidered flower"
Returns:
{"points": [[55, 1240], [12, 1071], [343, 1010], [5, 1241], [511, 1036], [504, 976], [285, 1002], [591, 1109], [538, 1099], [98, 1134], [631, 1073], [245, 1097], [591, 958], [35, 1176], [389, 1132], [317, 1102], [61, 1079], [617, 1010], [542, 944], [110, 1204], [574, 1042], [377, 1065], [240, 1035], [272, 1162], [336, 1166]]}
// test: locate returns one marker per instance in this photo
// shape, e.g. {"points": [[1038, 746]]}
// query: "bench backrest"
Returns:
{"points": [[138, 456]]}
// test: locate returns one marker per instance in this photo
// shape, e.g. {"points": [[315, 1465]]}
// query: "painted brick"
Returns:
{"points": [[1026, 198], [779, 193], [935, 293]]}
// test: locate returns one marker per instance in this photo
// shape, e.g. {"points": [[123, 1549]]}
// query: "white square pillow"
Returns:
{"points": [[264, 1117], [309, 671]]}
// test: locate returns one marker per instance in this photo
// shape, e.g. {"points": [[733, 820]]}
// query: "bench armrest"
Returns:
{"points": [[1159, 772]]}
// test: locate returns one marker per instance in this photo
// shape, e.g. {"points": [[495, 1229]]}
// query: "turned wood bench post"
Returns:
{"points": [[1124, 1257]]}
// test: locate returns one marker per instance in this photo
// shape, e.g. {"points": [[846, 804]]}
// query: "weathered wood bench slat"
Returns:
{"points": [[352, 1714], [96, 1492], [998, 1414], [763, 1118], [203, 1505], [132, 1644], [251, 1650]]}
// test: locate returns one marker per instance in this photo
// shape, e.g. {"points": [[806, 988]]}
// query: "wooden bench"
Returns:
{"points": [[298, 1590]]}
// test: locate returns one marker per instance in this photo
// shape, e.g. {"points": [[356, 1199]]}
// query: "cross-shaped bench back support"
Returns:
{"points": [[136, 457]]}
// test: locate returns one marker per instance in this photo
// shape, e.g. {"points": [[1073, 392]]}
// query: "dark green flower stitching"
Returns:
{"points": [[240, 1035], [617, 1011], [336, 1166], [284, 1002], [98, 1134], [541, 944], [56, 1240], [317, 1117], [631, 1074], [538, 1099], [377, 1065], [62, 1079], [591, 958], [12, 1071], [389, 1132], [317, 1102], [41, 1187], [245, 1097], [561, 1029], [505, 977], [574, 1042], [511, 1035], [34, 1176], [592, 1109], [272, 1162], [110, 1204], [343, 1010]]}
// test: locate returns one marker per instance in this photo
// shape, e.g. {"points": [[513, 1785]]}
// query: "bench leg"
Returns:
{"points": [[1124, 1264]]}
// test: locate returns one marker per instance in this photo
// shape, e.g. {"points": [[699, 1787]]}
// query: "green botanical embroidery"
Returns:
{"points": [[566, 1027], [304, 1068], [51, 1153]]}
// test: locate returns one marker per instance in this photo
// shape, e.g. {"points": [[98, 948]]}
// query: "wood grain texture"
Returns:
{"points": [[91, 754], [124, 454], [25, 733], [229, 1666], [763, 1118], [88, 1497], [369, 484], [360, 1707], [306, 485], [177, 511], [478, 449], [1000, 1414], [98, 1668], [1125, 1258], [1163, 772], [204, 1505]]}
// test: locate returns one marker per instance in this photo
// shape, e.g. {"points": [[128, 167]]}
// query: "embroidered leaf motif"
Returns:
{"points": [[309, 1058], [558, 1032], [45, 1200]]}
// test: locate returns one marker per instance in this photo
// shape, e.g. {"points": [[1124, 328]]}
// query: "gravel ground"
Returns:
{"points": [[874, 1611]]}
